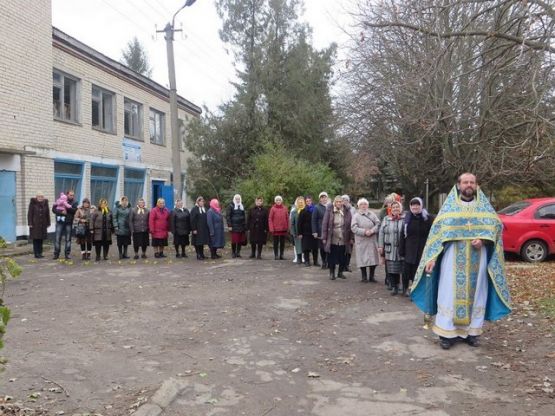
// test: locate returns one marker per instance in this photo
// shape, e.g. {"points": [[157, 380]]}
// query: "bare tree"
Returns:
{"points": [[436, 87]]}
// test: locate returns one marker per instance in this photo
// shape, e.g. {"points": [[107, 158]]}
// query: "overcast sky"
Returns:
{"points": [[203, 68]]}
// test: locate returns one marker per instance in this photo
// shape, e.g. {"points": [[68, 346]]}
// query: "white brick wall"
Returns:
{"points": [[27, 57]]}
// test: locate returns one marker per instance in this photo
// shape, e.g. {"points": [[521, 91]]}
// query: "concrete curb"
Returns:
{"points": [[164, 396]]}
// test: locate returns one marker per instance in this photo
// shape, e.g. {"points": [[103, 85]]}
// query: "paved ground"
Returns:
{"points": [[247, 337]]}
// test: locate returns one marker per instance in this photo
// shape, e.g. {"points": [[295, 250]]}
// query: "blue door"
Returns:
{"points": [[156, 191], [7, 202], [167, 194]]}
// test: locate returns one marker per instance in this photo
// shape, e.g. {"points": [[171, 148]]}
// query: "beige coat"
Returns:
{"points": [[366, 247]]}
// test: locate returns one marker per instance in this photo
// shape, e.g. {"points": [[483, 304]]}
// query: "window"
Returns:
{"points": [[156, 126], [546, 212], [514, 208], [133, 184], [67, 176], [103, 183], [132, 120], [64, 96], [182, 134], [103, 109]]}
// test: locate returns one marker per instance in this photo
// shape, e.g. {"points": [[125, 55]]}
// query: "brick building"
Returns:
{"points": [[72, 118]]}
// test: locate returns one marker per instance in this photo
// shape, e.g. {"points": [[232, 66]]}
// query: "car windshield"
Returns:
{"points": [[514, 208]]}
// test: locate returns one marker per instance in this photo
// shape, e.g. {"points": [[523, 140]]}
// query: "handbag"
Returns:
{"points": [[80, 230]]}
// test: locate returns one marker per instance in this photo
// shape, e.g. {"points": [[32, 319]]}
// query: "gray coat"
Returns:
{"points": [[138, 223], [390, 238], [366, 247], [215, 222], [120, 217]]}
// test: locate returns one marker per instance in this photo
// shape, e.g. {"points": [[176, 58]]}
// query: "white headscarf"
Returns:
{"points": [[237, 205]]}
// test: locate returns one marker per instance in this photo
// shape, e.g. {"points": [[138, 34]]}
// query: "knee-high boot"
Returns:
{"points": [[371, 277], [363, 274]]}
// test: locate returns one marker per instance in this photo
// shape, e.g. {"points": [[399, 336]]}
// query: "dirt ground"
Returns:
{"points": [[255, 337]]}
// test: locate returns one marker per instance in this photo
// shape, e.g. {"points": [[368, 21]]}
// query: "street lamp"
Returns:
{"points": [[176, 151]]}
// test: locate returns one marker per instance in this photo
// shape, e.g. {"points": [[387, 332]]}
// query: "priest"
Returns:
{"points": [[461, 277]]}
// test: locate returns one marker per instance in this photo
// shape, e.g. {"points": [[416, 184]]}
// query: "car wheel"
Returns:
{"points": [[534, 251]]}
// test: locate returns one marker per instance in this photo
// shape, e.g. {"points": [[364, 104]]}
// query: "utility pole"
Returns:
{"points": [[168, 31]]}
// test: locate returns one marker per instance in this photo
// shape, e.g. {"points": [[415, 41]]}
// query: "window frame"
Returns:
{"points": [[139, 135], [73, 108], [111, 198], [153, 111], [79, 177], [100, 101], [537, 215], [127, 180]]}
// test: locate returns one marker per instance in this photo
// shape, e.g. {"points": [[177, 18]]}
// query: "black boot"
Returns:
{"points": [[120, 251], [253, 252], [395, 290], [300, 259], [307, 258], [388, 282], [363, 275], [183, 254], [332, 273], [238, 250], [340, 274], [445, 343], [371, 277], [315, 259], [233, 250], [259, 252], [125, 256], [177, 255], [281, 248]]}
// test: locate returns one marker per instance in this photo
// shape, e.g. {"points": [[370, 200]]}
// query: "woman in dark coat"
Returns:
{"points": [[121, 226], [337, 236], [83, 219], [138, 226], [101, 229], [389, 240], [215, 223], [38, 218], [180, 226], [236, 219], [159, 227], [304, 228], [199, 227], [413, 239], [257, 224]]}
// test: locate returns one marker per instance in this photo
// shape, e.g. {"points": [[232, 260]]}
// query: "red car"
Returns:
{"points": [[529, 228]]}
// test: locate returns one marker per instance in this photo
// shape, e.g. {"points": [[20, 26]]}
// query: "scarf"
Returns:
{"points": [[140, 210], [215, 205], [104, 210], [238, 205], [310, 208]]}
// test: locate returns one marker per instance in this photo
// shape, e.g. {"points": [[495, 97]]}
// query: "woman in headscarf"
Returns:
{"points": [[159, 226], [388, 245], [199, 227], [294, 228], [138, 226], [365, 226], [180, 226], [38, 218], [257, 224], [121, 226], [413, 239], [278, 224], [304, 225], [83, 219], [236, 219], [337, 236], [102, 229], [215, 222]]}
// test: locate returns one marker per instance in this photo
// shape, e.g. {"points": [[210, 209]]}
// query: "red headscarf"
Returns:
{"points": [[215, 205]]}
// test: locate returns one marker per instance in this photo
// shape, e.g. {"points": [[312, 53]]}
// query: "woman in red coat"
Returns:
{"points": [[278, 224], [159, 225]]}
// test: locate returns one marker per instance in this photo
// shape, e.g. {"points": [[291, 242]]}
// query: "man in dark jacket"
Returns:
{"points": [[317, 218], [415, 232], [64, 223]]}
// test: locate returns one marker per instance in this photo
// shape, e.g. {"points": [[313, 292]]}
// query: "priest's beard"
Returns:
{"points": [[468, 193]]}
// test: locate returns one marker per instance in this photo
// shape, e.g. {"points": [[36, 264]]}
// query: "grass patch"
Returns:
{"points": [[547, 306]]}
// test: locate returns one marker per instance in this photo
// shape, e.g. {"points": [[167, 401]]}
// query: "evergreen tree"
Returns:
{"points": [[282, 95], [134, 56]]}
